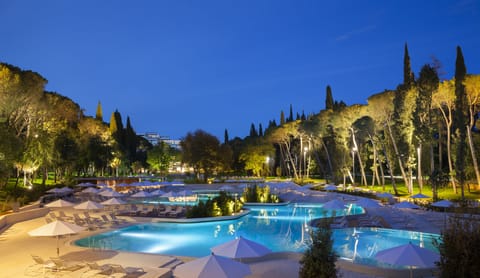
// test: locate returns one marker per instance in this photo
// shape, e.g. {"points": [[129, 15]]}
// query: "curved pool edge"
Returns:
{"points": [[375, 271]]}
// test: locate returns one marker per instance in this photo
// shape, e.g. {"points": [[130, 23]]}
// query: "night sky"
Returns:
{"points": [[176, 66]]}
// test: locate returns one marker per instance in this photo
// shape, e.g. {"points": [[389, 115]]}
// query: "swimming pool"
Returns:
{"points": [[281, 228]]}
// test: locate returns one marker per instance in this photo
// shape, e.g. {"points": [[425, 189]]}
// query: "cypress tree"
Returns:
{"points": [[225, 137], [130, 142], [329, 98], [461, 120], [116, 128], [303, 117], [290, 116], [408, 76], [253, 131], [99, 114], [282, 118], [260, 130]]}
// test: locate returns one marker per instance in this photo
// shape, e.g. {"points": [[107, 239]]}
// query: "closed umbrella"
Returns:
{"points": [[408, 255], [212, 266], [59, 204], [56, 228], [88, 205], [241, 248]]}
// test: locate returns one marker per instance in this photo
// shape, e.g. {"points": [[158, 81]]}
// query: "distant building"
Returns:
{"points": [[154, 138]]}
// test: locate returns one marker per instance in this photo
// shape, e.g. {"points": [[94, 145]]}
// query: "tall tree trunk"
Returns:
{"points": [[328, 157], [449, 156], [392, 178], [360, 162], [395, 148], [419, 171]]}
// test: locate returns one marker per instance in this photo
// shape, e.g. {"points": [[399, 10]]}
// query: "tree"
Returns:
{"points": [[131, 142], [253, 131], [282, 118], [201, 150], [254, 156], [159, 158], [225, 137], [444, 101], [461, 119], [319, 260], [99, 113], [290, 115], [472, 88], [329, 98], [427, 83]]}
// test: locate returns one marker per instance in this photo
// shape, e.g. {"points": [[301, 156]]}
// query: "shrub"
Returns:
{"points": [[319, 260], [460, 248]]}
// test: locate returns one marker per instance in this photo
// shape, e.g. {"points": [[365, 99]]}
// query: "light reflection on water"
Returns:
{"points": [[281, 228]]}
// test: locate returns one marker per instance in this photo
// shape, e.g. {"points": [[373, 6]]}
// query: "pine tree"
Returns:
{"points": [[99, 114], [461, 118], [329, 99], [225, 137], [282, 118]]}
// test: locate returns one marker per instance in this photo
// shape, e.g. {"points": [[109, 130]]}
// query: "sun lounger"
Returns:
{"points": [[175, 213], [40, 266], [69, 266], [126, 271], [94, 269], [164, 213]]}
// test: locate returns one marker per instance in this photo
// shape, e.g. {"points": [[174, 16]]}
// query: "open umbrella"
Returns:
{"points": [[92, 190], [408, 255], [226, 188], [212, 266], [85, 184], [334, 205], [55, 190], [112, 193], [384, 195], [420, 196], [88, 205], [241, 248], [56, 228], [368, 203], [157, 192], [169, 194], [141, 194], [330, 187], [406, 205], [59, 204], [443, 204], [113, 201]]}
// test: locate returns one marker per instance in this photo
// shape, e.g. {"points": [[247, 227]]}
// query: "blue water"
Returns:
{"points": [[281, 228]]}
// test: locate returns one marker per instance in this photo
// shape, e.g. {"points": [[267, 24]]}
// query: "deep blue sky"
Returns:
{"points": [[175, 66]]}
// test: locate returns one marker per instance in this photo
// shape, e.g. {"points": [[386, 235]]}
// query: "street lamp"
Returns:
{"points": [[267, 162]]}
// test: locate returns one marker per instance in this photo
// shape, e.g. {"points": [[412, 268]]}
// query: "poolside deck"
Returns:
{"points": [[17, 246]]}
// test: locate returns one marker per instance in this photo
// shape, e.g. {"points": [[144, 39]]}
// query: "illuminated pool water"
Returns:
{"points": [[281, 228]]}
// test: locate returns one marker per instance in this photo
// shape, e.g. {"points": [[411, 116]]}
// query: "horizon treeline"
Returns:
{"points": [[423, 128]]}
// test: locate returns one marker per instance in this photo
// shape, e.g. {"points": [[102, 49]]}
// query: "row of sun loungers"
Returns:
{"points": [[59, 267], [88, 221], [155, 211]]}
